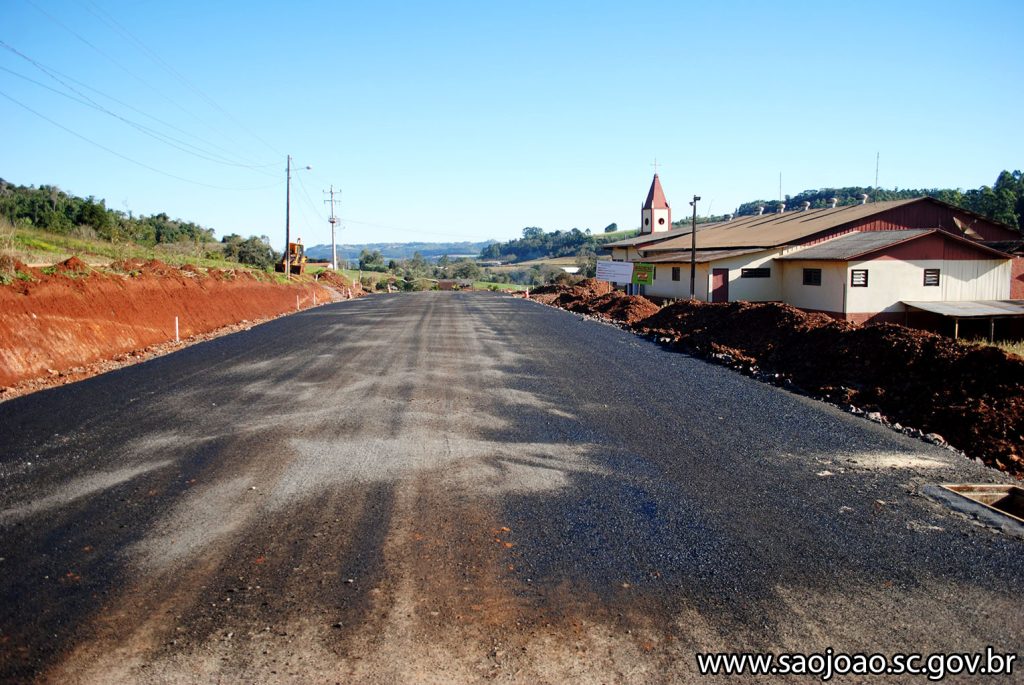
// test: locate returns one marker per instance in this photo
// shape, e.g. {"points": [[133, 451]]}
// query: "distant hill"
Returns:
{"points": [[430, 251]]}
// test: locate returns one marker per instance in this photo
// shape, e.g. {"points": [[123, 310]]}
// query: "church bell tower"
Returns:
{"points": [[656, 214]]}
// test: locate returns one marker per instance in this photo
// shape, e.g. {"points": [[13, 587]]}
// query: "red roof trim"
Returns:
{"points": [[656, 196]]}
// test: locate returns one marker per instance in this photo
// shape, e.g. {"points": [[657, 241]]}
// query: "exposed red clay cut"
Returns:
{"points": [[76, 316]]}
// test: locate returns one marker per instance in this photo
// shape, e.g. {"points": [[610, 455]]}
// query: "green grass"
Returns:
{"points": [[487, 285], [617, 235], [35, 246], [353, 274], [519, 266], [1011, 346]]}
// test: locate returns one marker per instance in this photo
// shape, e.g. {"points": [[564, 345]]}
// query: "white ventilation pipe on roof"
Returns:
{"points": [[760, 210], [807, 205], [863, 198], [728, 217], [781, 208], [832, 202]]}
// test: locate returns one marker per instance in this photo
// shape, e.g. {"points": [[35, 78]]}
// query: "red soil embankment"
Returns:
{"points": [[973, 396], [75, 315]]}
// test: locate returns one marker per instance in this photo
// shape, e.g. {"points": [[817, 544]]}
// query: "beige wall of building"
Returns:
{"points": [[891, 281], [664, 286], [827, 297], [753, 289]]}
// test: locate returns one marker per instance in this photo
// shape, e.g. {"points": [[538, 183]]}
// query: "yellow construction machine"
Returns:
{"points": [[296, 257]]}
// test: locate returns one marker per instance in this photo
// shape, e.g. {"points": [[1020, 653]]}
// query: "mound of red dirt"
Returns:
{"points": [[618, 306], [972, 396], [72, 265], [571, 296], [11, 266], [52, 322], [339, 281]]}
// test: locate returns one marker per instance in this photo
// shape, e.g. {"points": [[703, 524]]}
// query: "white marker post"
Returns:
{"points": [[177, 338]]}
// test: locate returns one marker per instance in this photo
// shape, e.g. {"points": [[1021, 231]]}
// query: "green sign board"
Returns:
{"points": [[643, 274]]}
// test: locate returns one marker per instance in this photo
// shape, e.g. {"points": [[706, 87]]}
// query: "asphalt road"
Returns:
{"points": [[458, 487]]}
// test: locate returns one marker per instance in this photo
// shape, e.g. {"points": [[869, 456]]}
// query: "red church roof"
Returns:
{"points": [[656, 196]]}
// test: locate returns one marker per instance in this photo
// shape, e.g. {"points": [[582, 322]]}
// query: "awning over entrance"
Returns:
{"points": [[970, 309]]}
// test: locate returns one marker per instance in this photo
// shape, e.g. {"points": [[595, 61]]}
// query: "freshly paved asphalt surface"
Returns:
{"points": [[457, 487]]}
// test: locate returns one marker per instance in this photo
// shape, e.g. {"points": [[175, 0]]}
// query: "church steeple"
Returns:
{"points": [[656, 214]]}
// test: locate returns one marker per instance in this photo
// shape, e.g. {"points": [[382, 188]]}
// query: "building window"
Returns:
{"points": [[812, 276], [661, 221], [646, 222], [859, 278], [675, 273], [931, 276], [762, 272]]}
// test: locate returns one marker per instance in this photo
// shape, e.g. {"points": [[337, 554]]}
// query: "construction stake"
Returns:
{"points": [[177, 338]]}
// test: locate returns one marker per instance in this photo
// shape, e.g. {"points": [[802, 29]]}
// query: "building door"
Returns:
{"points": [[719, 285]]}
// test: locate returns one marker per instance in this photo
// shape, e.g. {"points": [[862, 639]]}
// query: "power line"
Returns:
{"points": [[120, 66], [111, 21], [152, 133], [125, 157], [309, 200], [88, 101]]}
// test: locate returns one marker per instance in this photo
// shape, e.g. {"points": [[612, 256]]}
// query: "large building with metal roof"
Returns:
{"points": [[863, 262]]}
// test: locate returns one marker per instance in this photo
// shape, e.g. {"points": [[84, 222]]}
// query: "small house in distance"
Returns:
{"points": [[881, 261]]}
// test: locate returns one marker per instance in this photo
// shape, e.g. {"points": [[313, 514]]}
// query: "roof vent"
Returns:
{"points": [[807, 205], [728, 217], [760, 210], [781, 208], [863, 198], [832, 202]]}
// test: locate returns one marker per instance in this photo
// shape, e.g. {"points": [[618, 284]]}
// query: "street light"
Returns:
{"points": [[288, 220], [693, 248]]}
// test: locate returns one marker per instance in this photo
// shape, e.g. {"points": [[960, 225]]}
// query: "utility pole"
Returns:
{"points": [[693, 249], [332, 221], [878, 157], [288, 221]]}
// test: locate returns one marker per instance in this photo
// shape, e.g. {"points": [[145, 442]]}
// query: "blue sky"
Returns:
{"points": [[471, 120]]}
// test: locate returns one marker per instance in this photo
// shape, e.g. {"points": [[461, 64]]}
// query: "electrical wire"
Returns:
{"points": [[156, 135], [174, 102], [117, 26], [85, 99], [125, 157], [309, 200]]}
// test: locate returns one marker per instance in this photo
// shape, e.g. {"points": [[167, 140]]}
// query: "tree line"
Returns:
{"points": [[51, 209], [537, 244], [1003, 201], [419, 266]]}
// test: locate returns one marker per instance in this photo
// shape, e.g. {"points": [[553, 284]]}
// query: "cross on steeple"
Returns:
{"points": [[656, 165]]}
